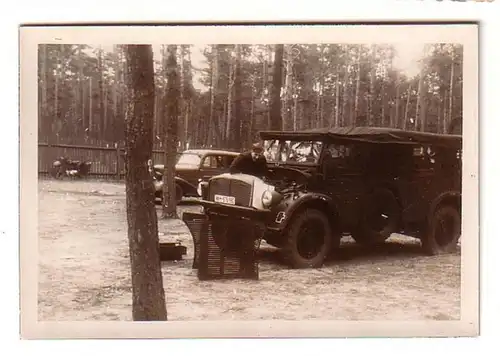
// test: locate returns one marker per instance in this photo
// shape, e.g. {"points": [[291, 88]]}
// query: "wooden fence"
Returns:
{"points": [[107, 162]]}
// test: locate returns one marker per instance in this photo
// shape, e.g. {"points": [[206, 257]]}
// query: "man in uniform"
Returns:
{"points": [[252, 162]]}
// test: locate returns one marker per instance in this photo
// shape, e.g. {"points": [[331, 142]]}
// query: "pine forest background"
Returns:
{"points": [[82, 92]]}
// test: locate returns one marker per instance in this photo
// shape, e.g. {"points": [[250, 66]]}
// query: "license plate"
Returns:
{"points": [[224, 199]]}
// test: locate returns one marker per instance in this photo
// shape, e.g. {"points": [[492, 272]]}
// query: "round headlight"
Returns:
{"points": [[267, 198]]}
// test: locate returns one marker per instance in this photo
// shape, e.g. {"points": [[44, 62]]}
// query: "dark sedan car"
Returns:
{"points": [[193, 167]]}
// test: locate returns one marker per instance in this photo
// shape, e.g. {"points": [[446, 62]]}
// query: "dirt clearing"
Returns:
{"points": [[84, 272]]}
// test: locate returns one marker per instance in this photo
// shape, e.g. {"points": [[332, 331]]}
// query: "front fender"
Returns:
{"points": [[281, 215], [187, 188]]}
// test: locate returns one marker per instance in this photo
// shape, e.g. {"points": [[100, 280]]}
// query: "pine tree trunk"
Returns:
{"points": [[81, 94], [445, 112], [418, 110], [182, 104], [100, 125], [287, 117], [372, 88], [229, 126], [275, 112], [171, 135], [74, 114], [238, 114], [322, 118], [345, 98], [56, 98], [295, 108], [396, 119], [337, 98], [452, 74], [358, 80], [405, 122], [214, 91], [187, 104], [148, 296], [91, 117], [105, 128], [43, 110], [383, 103], [439, 122]]}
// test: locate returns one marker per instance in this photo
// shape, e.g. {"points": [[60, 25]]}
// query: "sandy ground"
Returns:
{"points": [[84, 272]]}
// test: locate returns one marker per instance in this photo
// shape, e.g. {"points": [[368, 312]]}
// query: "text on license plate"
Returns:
{"points": [[224, 199]]}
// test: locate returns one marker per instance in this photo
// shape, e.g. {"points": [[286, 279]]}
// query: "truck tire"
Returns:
{"points": [[380, 216], [309, 240], [444, 230]]}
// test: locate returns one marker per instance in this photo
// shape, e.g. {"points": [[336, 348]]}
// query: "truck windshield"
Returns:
{"points": [[292, 152]]}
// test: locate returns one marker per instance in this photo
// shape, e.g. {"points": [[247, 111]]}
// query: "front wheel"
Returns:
{"points": [[309, 240], [444, 231]]}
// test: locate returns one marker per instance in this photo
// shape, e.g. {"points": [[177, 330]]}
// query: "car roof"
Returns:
{"points": [[202, 152], [367, 134]]}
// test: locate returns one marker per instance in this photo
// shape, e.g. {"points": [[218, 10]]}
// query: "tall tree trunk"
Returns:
{"points": [[405, 122], [148, 296], [171, 135], [105, 128], [450, 103], [295, 108], [445, 112], [45, 129], [396, 120], [321, 119], [250, 123], [56, 118], [358, 81], [287, 117], [230, 85], [238, 114], [345, 96], [81, 93], [75, 111], [116, 68], [187, 104], [214, 91], [383, 103], [182, 103], [337, 98], [371, 120], [439, 115], [418, 110], [100, 125], [275, 112], [91, 117]]}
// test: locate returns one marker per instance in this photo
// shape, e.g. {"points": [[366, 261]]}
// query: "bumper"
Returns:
{"points": [[234, 211]]}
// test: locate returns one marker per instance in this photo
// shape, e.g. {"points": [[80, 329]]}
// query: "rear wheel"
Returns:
{"points": [[444, 231], [309, 240]]}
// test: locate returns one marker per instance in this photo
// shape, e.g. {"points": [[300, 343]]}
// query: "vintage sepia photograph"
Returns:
{"points": [[314, 180]]}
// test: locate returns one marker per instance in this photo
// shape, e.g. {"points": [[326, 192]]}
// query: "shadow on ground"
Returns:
{"points": [[351, 252]]}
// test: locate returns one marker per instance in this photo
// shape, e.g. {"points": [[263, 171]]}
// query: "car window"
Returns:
{"points": [[209, 162], [338, 151], [212, 162]]}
